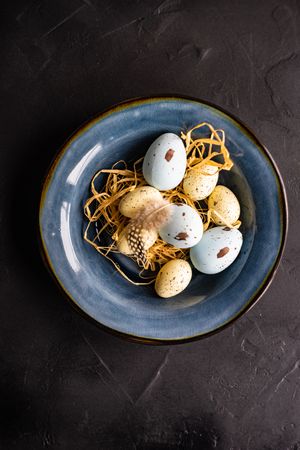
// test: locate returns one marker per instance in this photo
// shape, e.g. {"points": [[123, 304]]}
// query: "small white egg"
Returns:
{"points": [[224, 205], [136, 199], [217, 249], [184, 228], [148, 237], [173, 278], [165, 162], [199, 184]]}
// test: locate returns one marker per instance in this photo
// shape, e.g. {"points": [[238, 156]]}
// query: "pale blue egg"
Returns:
{"points": [[165, 162], [218, 248], [184, 228]]}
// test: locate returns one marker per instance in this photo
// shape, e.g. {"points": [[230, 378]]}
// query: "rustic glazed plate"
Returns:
{"points": [[211, 301]]}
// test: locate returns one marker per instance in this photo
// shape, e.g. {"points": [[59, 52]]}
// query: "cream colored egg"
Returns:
{"points": [[148, 237], [199, 184], [173, 278], [224, 205], [134, 200], [123, 245]]}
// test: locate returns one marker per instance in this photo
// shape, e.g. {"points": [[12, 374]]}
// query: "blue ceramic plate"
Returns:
{"points": [[211, 301]]}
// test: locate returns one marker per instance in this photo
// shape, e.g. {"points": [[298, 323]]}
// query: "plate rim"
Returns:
{"points": [[139, 101]]}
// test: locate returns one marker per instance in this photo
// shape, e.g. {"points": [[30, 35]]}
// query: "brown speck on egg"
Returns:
{"points": [[226, 229], [183, 214], [169, 155], [223, 252], [182, 236]]}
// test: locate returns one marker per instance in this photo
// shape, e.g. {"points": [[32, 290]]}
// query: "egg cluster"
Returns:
{"points": [[211, 250]]}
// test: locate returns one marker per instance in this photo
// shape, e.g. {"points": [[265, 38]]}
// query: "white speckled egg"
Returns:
{"points": [[134, 200], [173, 278], [225, 204], [148, 236], [184, 228], [217, 249], [199, 184], [165, 162]]}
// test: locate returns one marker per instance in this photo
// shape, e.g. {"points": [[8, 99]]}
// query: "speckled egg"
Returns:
{"points": [[184, 228], [173, 278], [165, 162], [199, 184], [225, 206], [217, 249], [148, 237], [134, 200]]}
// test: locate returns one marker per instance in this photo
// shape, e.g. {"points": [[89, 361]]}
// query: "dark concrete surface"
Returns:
{"points": [[64, 383]]}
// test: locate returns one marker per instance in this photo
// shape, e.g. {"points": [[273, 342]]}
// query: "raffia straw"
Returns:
{"points": [[102, 207], [202, 151]]}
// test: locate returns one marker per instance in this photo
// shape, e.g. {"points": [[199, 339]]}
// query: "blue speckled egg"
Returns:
{"points": [[217, 249], [165, 162], [184, 228]]}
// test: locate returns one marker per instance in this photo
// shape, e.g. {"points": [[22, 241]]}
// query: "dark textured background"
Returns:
{"points": [[64, 383]]}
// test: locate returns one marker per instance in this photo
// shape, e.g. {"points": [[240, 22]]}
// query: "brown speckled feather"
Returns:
{"points": [[151, 217]]}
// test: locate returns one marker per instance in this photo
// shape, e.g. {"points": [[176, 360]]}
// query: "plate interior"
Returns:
{"points": [[210, 301]]}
